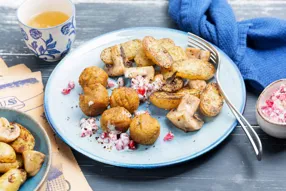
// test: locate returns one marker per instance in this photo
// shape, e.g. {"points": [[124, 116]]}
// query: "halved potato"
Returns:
{"points": [[157, 53], [173, 85], [7, 154], [194, 69], [25, 141], [198, 84], [169, 101], [130, 49], [177, 53], [33, 161], [189, 91], [5, 167], [8, 131], [142, 60], [166, 43], [167, 73], [105, 56], [211, 100], [12, 180]]}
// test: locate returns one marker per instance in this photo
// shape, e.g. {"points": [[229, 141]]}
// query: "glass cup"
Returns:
{"points": [[53, 43]]}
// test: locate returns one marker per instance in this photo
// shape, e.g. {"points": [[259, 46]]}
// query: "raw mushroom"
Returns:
{"points": [[184, 116], [148, 72], [8, 132]]}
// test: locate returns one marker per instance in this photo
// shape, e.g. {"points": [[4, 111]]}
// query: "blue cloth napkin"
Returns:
{"points": [[257, 46]]}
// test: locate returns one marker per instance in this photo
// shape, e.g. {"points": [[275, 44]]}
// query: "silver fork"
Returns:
{"points": [[197, 42]]}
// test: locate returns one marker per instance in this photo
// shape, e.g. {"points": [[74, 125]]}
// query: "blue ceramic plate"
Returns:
{"points": [[64, 114], [42, 144]]}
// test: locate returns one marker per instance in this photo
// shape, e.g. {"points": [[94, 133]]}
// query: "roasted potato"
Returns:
{"points": [[125, 97], [115, 118], [8, 131], [130, 49], [198, 53], [167, 43], [157, 53], [7, 153], [148, 72], [183, 116], [194, 69], [144, 129], [189, 91], [197, 84], [33, 161], [12, 180], [24, 142], [167, 73], [169, 101], [142, 60], [211, 100], [94, 100], [177, 53], [5, 167], [92, 75], [105, 56], [173, 85]]}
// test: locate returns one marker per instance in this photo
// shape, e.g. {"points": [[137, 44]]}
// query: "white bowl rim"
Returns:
{"points": [[59, 25], [49, 163], [259, 109]]}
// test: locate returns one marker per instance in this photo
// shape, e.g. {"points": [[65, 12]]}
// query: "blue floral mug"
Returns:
{"points": [[53, 43]]}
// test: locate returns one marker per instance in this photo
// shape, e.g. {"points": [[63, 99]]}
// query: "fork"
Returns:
{"points": [[197, 42]]}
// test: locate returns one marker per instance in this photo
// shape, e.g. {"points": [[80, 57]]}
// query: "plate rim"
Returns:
{"points": [[140, 166]]}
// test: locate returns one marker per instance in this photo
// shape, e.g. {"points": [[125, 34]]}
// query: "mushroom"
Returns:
{"points": [[184, 116], [33, 161], [198, 53], [119, 62], [173, 84], [148, 72], [8, 132]]}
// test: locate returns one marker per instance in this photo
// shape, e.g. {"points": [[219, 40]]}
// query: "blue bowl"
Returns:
{"points": [[42, 144]]}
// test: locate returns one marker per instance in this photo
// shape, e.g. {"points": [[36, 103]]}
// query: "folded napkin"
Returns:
{"points": [[257, 46]]}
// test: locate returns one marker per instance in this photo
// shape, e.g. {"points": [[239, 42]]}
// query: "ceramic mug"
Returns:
{"points": [[53, 43]]}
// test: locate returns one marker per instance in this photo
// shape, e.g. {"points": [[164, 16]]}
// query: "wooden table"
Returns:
{"points": [[230, 166]]}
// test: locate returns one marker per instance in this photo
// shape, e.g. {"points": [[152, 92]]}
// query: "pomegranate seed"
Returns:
{"points": [[269, 103], [132, 145], [104, 135], [66, 91], [71, 85], [169, 136], [141, 91]]}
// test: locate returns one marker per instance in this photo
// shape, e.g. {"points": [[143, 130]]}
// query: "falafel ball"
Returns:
{"points": [[125, 97], [144, 129], [115, 118], [92, 75], [94, 100]]}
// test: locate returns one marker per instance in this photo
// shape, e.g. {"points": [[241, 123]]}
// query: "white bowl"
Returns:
{"points": [[272, 128]]}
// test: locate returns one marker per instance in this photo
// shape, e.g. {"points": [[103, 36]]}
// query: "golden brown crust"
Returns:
{"points": [[144, 129], [211, 100], [157, 53], [118, 118], [125, 97], [24, 142], [94, 100], [142, 60], [177, 53], [92, 75], [194, 69]]}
